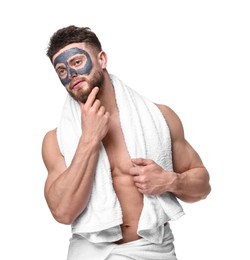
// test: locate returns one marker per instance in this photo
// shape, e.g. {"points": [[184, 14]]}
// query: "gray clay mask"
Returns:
{"points": [[72, 64]]}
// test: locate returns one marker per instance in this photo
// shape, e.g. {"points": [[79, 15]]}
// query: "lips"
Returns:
{"points": [[76, 83]]}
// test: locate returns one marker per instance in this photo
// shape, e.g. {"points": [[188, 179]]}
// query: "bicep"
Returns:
{"points": [[184, 155], [52, 158]]}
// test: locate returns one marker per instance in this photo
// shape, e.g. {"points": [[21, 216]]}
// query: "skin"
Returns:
{"points": [[65, 69], [67, 189]]}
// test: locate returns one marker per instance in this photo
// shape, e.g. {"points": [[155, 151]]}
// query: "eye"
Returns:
{"points": [[78, 62], [61, 72]]}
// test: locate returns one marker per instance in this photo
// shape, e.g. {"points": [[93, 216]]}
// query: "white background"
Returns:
{"points": [[191, 55]]}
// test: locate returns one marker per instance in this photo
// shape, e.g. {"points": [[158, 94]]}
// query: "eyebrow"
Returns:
{"points": [[76, 56], [60, 66], [69, 53]]}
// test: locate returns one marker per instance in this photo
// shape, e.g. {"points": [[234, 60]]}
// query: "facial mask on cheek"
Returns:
{"points": [[64, 57]]}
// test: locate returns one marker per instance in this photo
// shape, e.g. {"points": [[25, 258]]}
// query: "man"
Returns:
{"points": [[116, 162]]}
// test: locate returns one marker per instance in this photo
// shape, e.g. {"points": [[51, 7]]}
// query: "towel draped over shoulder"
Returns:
{"points": [[146, 135]]}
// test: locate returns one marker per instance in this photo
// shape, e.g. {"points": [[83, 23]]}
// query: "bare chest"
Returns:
{"points": [[116, 149]]}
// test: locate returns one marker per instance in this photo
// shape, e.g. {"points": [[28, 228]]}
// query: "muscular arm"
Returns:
{"points": [[67, 190], [190, 179]]}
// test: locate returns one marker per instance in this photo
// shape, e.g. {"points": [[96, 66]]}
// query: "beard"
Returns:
{"points": [[97, 80]]}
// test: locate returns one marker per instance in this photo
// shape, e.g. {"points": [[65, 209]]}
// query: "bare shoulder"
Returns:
{"points": [[49, 138], [50, 149], [166, 110], [172, 119]]}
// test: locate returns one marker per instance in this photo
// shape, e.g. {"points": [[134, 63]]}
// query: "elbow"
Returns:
{"points": [[201, 195], [197, 196], [198, 190], [205, 189], [206, 192], [63, 216]]}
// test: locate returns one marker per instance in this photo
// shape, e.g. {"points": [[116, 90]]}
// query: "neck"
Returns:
{"points": [[107, 96]]}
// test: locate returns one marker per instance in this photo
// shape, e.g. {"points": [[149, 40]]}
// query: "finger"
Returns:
{"points": [[137, 179], [96, 105], [141, 161], [138, 185], [92, 97], [102, 110], [134, 171], [140, 188]]}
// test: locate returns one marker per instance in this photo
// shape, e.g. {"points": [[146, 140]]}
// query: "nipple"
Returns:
{"points": [[126, 225]]}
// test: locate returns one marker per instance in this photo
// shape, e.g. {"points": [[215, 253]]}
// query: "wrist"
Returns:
{"points": [[176, 182], [90, 142]]}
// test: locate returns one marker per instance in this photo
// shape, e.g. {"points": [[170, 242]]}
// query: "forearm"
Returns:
{"points": [[68, 195], [192, 185]]}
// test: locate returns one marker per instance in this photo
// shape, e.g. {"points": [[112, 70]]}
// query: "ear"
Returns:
{"points": [[102, 58]]}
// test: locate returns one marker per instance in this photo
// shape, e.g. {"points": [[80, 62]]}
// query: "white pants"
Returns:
{"points": [[81, 249]]}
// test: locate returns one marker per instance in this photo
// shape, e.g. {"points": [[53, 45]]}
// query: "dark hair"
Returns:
{"points": [[72, 34]]}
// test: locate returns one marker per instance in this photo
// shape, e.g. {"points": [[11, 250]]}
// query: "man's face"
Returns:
{"points": [[72, 62], [78, 70]]}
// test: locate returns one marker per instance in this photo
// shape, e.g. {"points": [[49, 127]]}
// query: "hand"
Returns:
{"points": [[149, 177], [95, 118]]}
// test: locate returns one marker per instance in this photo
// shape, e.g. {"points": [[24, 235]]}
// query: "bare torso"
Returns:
{"points": [[131, 200]]}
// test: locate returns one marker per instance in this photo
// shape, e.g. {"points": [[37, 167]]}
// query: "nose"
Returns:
{"points": [[72, 73]]}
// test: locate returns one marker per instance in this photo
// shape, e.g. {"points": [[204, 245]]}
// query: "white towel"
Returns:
{"points": [[80, 248], [146, 135]]}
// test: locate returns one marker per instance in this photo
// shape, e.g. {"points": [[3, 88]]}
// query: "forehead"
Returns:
{"points": [[81, 45]]}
